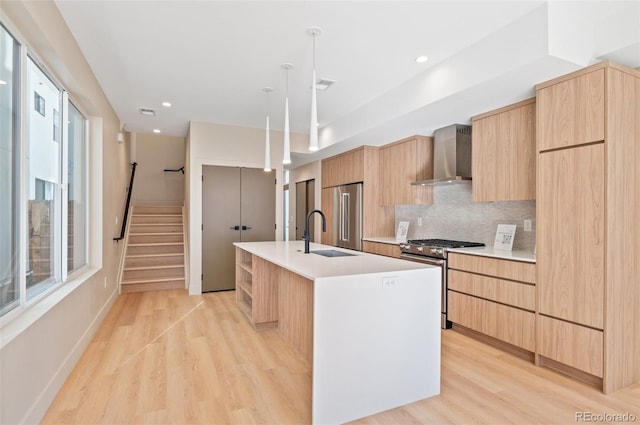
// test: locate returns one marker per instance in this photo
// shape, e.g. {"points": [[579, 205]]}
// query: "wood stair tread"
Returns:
{"points": [[155, 233], [156, 243], [152, 280], [163, 266], [164, 254], [156, 215]]}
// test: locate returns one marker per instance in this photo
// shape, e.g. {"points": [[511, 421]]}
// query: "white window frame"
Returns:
{"points": [[14, 321]]}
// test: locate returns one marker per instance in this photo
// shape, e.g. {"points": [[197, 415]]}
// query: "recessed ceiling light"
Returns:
{"points": [[422, 59], [155, 130], [166, 104]]}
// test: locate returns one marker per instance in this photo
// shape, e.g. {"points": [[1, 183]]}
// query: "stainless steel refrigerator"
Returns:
{"points": [[347, 213]]}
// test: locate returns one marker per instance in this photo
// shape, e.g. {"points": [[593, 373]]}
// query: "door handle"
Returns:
{"points": [[246, 228], [234, 227]]}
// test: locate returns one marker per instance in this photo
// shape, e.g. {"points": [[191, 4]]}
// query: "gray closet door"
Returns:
{"points": [[257, 205], [233, 197]]}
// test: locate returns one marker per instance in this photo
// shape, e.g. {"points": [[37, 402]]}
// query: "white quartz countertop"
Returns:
{"points": [[391, 240], [486, 251], [291, 256]]}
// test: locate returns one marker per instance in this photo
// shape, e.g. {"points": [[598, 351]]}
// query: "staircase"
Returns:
{"points": [[155, 250]]}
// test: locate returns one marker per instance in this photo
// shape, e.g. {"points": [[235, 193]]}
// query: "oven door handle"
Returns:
{"points": [[425, 260]]}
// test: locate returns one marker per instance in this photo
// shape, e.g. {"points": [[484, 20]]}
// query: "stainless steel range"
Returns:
{"points": [[434, 252]]}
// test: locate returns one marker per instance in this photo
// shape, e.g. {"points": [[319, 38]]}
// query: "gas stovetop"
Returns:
{"points": [[434, 247]]}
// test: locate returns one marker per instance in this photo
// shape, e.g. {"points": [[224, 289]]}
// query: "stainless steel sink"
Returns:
{"points": [[331, 253]]}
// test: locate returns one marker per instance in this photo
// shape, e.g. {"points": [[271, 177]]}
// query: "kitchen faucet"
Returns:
{"points": [[306, 228]]}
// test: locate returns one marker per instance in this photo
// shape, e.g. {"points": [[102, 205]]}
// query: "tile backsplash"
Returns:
{"points": [[453, 215]]}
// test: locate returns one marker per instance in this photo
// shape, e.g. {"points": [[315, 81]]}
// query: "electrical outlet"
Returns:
{"points": [[419, 221], [527, 225], [389, 282]]}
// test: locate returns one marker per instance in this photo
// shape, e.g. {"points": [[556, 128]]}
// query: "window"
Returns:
{"points": [[44, 203], [43, 175], [56, 125], [77, 190], [9, 172], [38, 104]]}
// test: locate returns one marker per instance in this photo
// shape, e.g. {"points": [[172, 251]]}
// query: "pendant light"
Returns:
{"points": [[267, 144], [286, 158], [313, 126]]}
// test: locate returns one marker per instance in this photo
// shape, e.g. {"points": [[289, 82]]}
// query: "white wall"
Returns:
{"points": [[152, 185], [217, 144], [41, 346]]}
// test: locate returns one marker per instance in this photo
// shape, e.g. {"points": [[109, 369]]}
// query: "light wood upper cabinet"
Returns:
{"points": [[401, 163], [504, 154], [571, 112], [345, 168]]}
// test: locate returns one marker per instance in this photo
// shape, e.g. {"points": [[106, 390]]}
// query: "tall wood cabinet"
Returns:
{"points": [[504, 153], [588, 221], [401, 163]]}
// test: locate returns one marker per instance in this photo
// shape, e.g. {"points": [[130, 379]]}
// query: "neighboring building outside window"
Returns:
{"points": [[39, 104]]}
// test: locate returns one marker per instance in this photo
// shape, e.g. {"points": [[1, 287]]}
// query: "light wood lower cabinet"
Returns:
{"points": [[389, 250], [509, 292], [571, 344], [499, 321], [271, 296], [493, 296], [295, 312], [505, 269]]}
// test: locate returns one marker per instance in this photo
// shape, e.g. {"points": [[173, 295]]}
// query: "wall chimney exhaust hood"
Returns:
{"points": [[451, 155]]}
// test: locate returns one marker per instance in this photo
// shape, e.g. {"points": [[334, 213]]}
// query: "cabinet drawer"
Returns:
{"points": [[506, 269], [509, 292], [571, 344], [507, 324], [379, 248]]}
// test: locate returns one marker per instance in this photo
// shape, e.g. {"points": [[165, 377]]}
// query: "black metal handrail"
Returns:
{"points": [[126, 207], [181, 170]]}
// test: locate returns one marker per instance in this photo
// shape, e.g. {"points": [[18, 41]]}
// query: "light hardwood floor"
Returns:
{"points": [[169, 358]]}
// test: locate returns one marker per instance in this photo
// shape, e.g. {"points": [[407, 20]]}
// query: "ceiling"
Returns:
{"points": [[211, 59]]}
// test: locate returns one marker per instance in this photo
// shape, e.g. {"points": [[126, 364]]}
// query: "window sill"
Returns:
{"points": [[32, 313]]}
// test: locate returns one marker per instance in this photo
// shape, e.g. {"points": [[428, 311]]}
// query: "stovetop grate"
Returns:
{"points": [[444, 243]]}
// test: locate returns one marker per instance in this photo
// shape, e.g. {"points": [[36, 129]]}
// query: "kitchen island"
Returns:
{"points": [[368, 325]]}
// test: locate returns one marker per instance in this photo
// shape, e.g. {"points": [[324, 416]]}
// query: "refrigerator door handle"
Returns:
{"points": [[344, 208]]}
